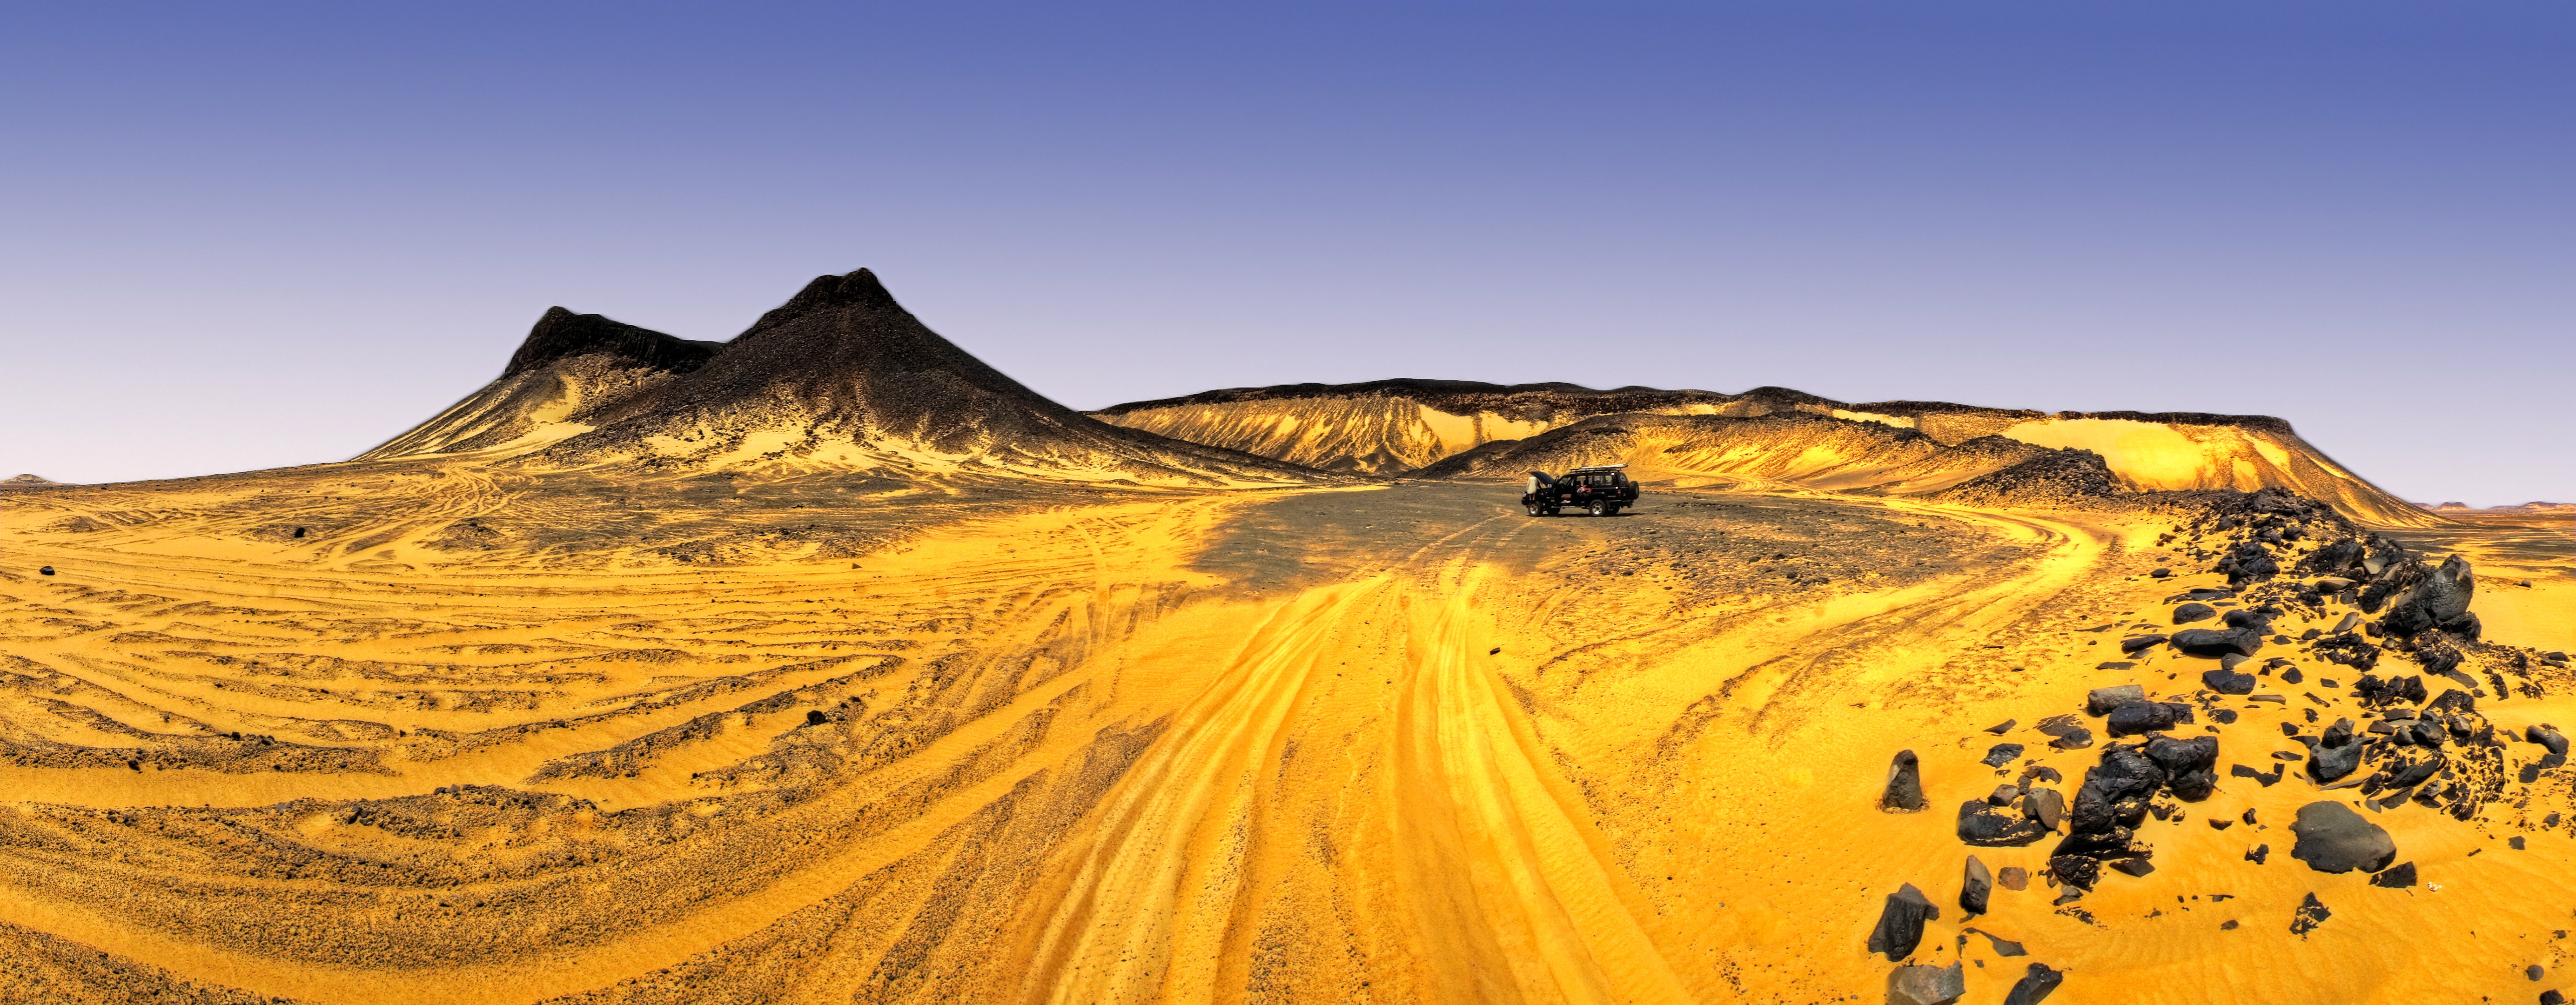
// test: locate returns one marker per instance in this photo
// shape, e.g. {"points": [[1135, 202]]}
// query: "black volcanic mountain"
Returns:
{"points": [[840, 377], [570, 366]]}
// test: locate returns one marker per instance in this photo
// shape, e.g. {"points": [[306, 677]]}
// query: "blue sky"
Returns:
{"points": [[252, 235]]}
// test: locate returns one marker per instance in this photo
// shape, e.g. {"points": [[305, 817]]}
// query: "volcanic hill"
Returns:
{"points": [[1462, 428], [839, 378]]}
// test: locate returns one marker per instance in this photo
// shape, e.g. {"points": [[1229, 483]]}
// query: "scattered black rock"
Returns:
{"points": [[2246, 563], [2552, 997], [2258, 853], [2001, 754], [2160, 574], [1975, 887], [2292, 676], [2217, 642], [1900, 923], [2546, 736], [2228, 681], [2115, 665], [2310, 915], [1904, 785], [2035, 985], [2048, 806], [2075, 871], [2376, 692], [1987, 827], [2333, 838], [2434, 597], [2012, 877], [2220, 823], [2397, 877], [2191, 766], [2135, 866], [2515, 842], [2336, 754], [2137, 642], [2147, 717], [2189, 613], [2002, 946], [2102, 700], [2003, 727], [45, 570]]}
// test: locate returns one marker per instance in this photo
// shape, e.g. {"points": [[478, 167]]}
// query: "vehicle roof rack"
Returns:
{"points": [[1595, 467]]}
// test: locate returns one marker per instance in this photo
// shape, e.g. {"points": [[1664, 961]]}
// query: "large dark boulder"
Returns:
{"points": [[2439, 596], [2125, 772], [2189, 613], [1904, 793], [2001, 754], [2200, 753], [1900, 923], [2092, 811], [1987, 827], [2218, 641], [2333, 838], [2035, 985]]}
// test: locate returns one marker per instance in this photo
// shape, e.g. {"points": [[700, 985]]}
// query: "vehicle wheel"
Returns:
{"points": [[1533, 509], [1599, 510]]}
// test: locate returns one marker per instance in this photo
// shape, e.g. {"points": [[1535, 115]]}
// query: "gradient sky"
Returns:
{"points": [[251, 235]]}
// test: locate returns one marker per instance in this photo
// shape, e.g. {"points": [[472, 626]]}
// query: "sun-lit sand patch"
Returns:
{"points": [[1398, 743]]}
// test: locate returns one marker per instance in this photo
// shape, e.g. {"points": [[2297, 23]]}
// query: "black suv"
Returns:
{"points": [[1602, 491]]}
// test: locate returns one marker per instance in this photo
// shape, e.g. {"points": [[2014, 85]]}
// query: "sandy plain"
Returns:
{"points": [[425, 732]]}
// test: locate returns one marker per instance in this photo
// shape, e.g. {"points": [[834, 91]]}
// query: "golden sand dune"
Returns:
{"points": [[1402, 425], [606, 719]]}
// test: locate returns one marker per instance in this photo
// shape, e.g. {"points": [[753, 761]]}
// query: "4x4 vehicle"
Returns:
{"points": [[1600, 490]]}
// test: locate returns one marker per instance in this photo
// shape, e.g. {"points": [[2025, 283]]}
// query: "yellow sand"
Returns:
{"points": [[1099, 771]]}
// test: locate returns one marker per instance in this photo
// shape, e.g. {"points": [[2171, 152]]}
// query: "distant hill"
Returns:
{"points": [[839, 378], [1395, 426]]}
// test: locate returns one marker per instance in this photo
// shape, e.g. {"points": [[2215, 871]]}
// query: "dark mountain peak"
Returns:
{"points": [[562, 334], [860, 290]]}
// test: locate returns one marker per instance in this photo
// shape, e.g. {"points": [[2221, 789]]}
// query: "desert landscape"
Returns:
{"points": [[830, 664]]}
